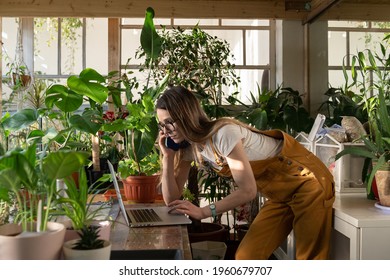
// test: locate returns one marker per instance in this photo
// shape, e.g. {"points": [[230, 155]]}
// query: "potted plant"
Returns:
{"points": [[33, 181], [342, 102], [18, 76], [79, 130], [201, 62], [377, 150], [30, 173], [376, 98], [280, 109], [88, 247], [75, 208], [139, 128]]}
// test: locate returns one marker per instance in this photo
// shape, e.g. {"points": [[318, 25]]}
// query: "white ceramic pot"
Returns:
{"points": [[94, 254], [34, 245]]}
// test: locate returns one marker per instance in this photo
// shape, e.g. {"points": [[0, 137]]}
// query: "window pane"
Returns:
{"points": [[257, 47], [336, 78], [245, 22], [133, 21], [71, 46], [130, 43], [193, 22], [249, 81], [8, 37], [235, 41], [381, 25], [361, 24], [362, 40], [46, 46], [337, 47], [140, 21], [96, 45]]}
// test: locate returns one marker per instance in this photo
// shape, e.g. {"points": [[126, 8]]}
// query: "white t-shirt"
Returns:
{"points": [[257, 146]]}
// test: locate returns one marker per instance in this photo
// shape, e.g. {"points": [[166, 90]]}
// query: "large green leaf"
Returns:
{"points": [[258, 118], [21, 119], [144, 142], [4, 193], [89, 74], [85, 87], [150, 40], [87, 122], [63, 163], [357, 151], [8, 181], [24, 166], [117, 125], [65, 99]]}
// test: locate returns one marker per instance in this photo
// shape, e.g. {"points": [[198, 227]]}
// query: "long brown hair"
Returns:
{"points": [[196, 127]]}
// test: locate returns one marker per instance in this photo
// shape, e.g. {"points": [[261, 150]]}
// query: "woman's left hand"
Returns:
{"points": [[187, 208]]}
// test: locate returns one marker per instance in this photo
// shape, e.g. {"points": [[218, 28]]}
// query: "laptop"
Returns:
{"points": [[146, 216]]}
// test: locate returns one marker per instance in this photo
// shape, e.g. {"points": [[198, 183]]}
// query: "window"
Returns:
{"points": [[62, 47], [65, 46], [347, 38], [249, 42]]}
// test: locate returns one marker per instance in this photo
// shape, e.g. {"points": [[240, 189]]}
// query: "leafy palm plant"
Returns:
{"points": [[33, 179], [280, 109], [77, 199], [64, 101], [374, 86], [30, 171], [139, 128]]}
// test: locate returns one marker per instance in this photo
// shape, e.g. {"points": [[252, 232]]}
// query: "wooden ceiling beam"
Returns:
{"points": [[136, 8], [318, 7], [352, 10], [297, 5], [230, 9]]}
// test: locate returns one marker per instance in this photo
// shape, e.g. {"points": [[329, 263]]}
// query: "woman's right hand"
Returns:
{"points": [[161, 142]]}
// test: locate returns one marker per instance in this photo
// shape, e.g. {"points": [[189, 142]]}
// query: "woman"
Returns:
{"points": [[298, 187]]}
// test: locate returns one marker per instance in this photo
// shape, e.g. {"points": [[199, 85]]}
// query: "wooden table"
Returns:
{"points": [[147, 238]]}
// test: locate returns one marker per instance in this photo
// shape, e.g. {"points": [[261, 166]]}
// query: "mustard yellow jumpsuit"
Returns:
{"points": [[300, 193]]}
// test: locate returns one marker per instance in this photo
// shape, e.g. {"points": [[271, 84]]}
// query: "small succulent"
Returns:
{"points": [[89, 239]]}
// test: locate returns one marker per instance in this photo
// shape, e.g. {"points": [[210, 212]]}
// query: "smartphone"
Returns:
{"points": [[169, 143]]}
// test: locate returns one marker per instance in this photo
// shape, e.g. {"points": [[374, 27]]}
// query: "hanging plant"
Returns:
{"points": [[18, 76]]}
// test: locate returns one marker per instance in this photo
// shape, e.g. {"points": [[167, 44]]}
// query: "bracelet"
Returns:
{"points": [[213, 211]]}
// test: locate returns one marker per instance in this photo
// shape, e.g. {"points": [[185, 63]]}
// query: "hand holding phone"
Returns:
{"points": [[169, 143]]}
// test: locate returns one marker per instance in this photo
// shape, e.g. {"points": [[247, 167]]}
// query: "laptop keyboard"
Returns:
{"points": [[145, 215]]}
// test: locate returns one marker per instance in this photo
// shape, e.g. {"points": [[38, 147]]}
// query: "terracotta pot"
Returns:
{"points": [[34, 245], [382, 178], [22, 80], [93, 254], [141, 189]]}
